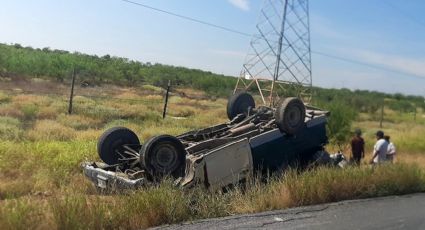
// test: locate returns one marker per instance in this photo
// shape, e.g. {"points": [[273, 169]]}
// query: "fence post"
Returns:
{"points": [[71, 96], [166, 99]]}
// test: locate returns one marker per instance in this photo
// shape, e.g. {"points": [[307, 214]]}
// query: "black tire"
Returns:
{"points": [[163, 155], [239, 103], [290, 115], [112, 140]]}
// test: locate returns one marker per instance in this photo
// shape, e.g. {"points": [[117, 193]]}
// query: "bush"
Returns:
{"points": [[339, 124], [30, 111]]}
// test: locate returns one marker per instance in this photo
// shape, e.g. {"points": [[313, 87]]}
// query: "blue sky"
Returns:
{"points": [[390, 35]]}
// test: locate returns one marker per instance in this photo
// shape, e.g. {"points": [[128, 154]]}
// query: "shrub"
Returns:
{"points": [[30, 111], [339, 124]]}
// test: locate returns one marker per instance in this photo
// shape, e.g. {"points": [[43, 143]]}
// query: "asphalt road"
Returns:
{"points": [[395, 212]]}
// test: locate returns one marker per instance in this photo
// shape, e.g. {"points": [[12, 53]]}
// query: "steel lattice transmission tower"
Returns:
{"points": [[279, 59]]}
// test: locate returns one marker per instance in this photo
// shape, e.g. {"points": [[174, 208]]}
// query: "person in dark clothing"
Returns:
{"points": [[357, 147]]}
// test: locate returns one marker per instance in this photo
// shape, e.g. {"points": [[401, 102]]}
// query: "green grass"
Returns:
{"points": [[166, 204], [20, 214], [42, 185]]}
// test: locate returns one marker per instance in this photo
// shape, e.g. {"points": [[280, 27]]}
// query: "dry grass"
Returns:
{"points": [[31, 99], [78, 122], [8, 110], [418, 159], [45, 130], [48, 113], [407, 136], [10, 128]]}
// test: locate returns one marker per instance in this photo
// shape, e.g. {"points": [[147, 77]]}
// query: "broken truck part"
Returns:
{"points": [[255, 141]]}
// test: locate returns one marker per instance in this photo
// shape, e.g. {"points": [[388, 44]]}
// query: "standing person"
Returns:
{"points": [[391, 149], [380, 149], [357, 147]]}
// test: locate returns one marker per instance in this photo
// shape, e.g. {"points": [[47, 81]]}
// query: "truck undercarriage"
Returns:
{"points": [[255, 141]]}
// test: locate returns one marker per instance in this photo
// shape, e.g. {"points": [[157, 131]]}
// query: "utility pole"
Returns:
{"points": [[279, 57], [71, 96], [166, 99], [279, 53]]}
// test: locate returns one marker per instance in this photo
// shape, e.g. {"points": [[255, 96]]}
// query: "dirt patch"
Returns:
{"points": [[20, 84]]}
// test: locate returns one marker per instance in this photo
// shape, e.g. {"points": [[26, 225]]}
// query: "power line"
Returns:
{"points": [[366, 64], [404, 13], [187, 18], [248, 35]]}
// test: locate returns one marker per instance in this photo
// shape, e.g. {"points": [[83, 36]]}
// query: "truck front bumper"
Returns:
{"points": [[108, 180]]}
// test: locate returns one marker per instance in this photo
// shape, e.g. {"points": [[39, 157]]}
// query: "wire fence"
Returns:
{"points": [[157, 102], [66, 96]]}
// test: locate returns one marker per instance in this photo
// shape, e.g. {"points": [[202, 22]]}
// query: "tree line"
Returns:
{"points": [[58, 64]]}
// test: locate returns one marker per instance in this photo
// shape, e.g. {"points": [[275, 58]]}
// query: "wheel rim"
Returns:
{"points": [[165, 158], [294, 116]]}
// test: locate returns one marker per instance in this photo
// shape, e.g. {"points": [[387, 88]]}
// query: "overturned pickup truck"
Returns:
{"points": [[258, 140]]}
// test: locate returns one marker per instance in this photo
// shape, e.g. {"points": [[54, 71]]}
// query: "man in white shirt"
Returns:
{"points": [[380, 149], [391, 149]]}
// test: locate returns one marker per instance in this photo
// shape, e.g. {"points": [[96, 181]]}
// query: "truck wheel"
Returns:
{"points": [[112, 140], [290, 115], [163, 155], [239, 103]]}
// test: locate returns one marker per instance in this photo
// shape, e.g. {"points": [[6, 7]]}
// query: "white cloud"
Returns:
{"points": [[408, 65], [229, 53], [241, 4], [322, 27]]}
